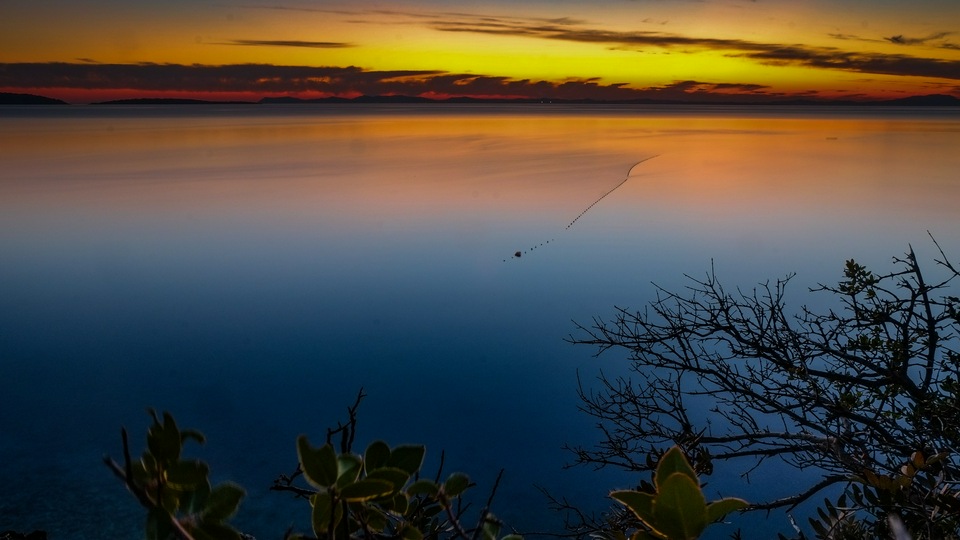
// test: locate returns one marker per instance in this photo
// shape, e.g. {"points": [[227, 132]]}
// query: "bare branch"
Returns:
{"points": [[733, 377]]}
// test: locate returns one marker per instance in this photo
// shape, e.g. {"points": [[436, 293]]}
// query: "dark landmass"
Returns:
{"points": [[361, 99], [27, 99], [169, 101], [932, 100]]}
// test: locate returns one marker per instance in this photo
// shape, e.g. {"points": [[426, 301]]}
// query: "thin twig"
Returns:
{"points": [[486, 508]]}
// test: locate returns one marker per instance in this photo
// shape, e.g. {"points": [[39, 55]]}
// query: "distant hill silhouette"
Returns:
{"points": [[932, 100], [7, 98], [360, 99], [169, 101]]}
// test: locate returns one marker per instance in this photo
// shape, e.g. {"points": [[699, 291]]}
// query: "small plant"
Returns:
{"points": [[379, 494], [176, 491], [674, 507]]}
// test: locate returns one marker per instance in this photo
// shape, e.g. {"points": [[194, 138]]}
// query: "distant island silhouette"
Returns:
{"points": [[170, 101], [7, 98], [932, 100]]}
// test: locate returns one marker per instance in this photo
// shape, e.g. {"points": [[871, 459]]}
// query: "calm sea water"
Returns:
{"points": [[250, 269]]}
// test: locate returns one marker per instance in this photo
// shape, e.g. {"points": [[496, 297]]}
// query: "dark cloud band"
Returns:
{"points": [[273, 79], [766, 53], [287, 43], [884, 64]]}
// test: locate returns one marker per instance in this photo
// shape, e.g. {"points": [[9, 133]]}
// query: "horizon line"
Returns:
{"points": [[11, 98]]}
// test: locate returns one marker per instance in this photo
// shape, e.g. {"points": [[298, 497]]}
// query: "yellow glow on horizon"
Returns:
{"points": [[410, 38]]}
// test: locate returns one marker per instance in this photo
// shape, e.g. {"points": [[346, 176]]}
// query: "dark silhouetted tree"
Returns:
{"points": [[866, 392]]}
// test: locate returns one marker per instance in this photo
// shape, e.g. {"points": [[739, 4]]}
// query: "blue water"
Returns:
{"points": [[250, 269]]}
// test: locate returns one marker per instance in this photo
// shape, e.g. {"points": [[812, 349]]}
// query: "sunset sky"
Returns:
{"points": [[84, 51]]}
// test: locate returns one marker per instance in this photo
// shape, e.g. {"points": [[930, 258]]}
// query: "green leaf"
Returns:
{"points": [[319, 465], [163, 439], [187, 434], [456, 484], [717, 509], [409, 532], [213, 531], [641, 504], [324, 510], [376, 456], [397, 477], [423, 487], [223, 502], [366, 489], [491, 527], [407, 457], [193, 502], [169, 500], [512, 537], [818, 528], [679, 508], [144, 470], [348, 469], [187, 475], [400, 503], [376, 520], [674, 462]]}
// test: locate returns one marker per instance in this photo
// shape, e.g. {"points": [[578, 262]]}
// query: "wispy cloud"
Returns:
{"points": [[699, 87], [854, 37], [935, 40], [287, 43], [900, 39], [877, 63], [833, 58]]}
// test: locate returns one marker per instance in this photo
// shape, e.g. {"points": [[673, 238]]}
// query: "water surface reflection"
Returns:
{"points": [[250, 269]]}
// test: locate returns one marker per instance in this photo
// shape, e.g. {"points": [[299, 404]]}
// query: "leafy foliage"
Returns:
{"points": [[867, 392], [379, 494], [674, 507], [176, 491]]}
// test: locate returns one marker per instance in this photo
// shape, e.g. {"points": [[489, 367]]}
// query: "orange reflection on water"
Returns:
{"points": [[450, 166]]}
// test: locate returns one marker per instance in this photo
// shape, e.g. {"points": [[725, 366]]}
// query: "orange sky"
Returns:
{"points": [[559, 49]]}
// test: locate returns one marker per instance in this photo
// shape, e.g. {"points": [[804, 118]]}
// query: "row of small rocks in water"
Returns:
{"points": [[519, 254]]}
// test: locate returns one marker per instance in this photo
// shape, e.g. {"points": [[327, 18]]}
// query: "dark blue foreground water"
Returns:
{"points": [[250, 269]]}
